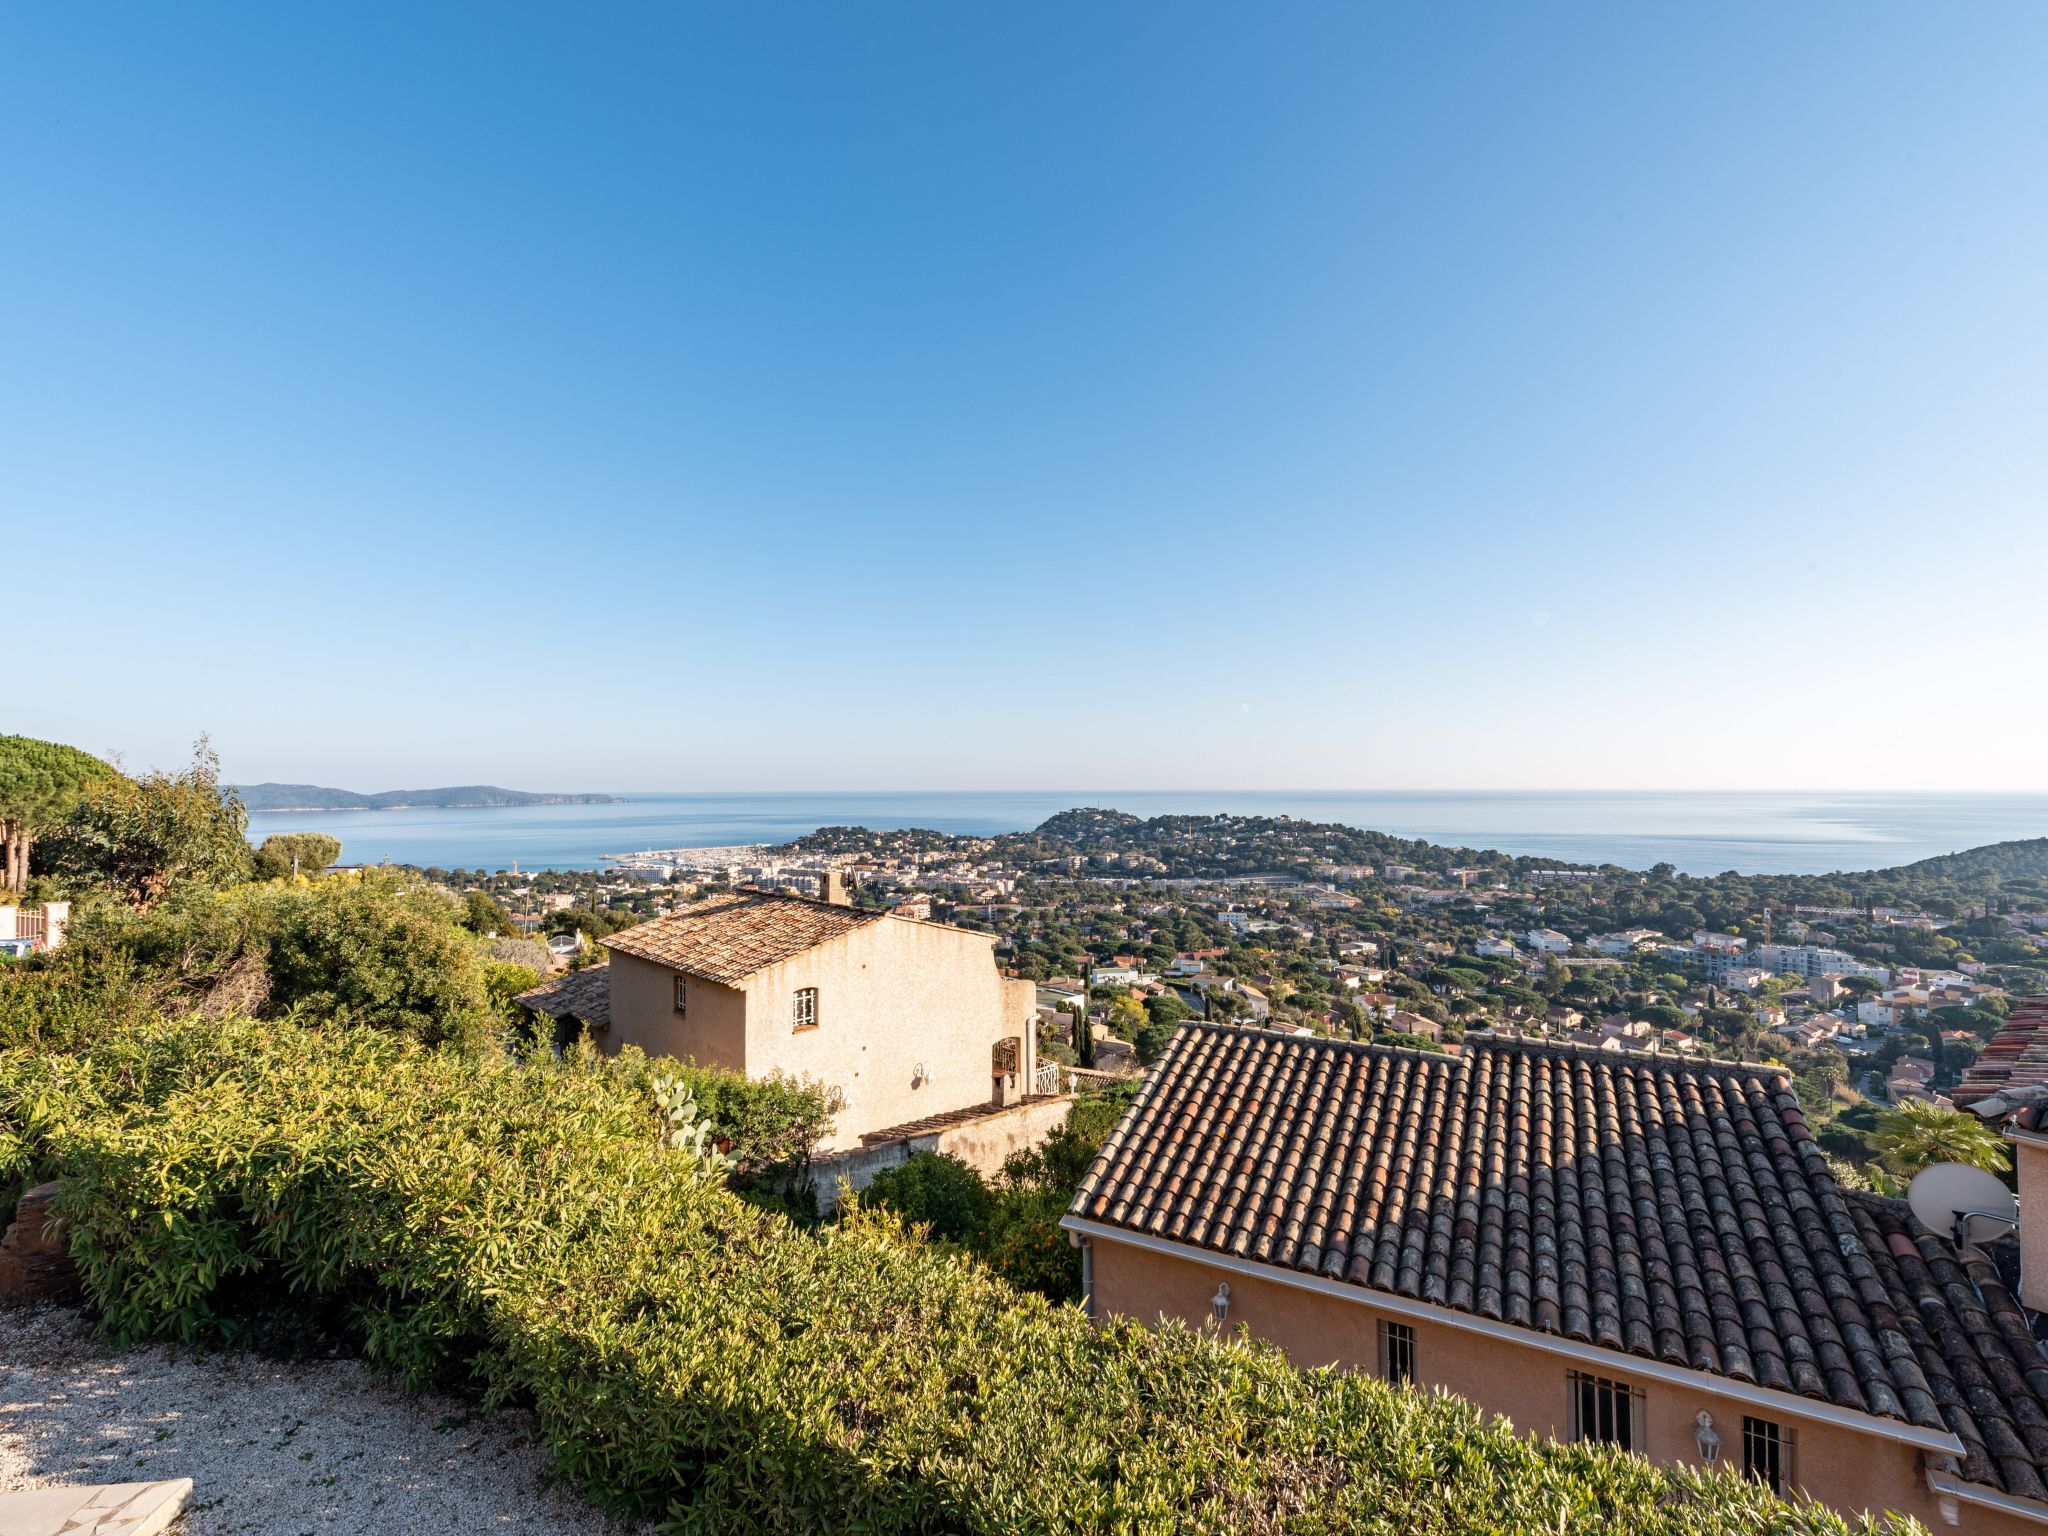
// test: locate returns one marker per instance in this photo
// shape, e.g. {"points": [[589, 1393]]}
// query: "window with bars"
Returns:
{"points": [[1397, 1353], [1608, 1411], [804, 1012], [1767, 1453], [682, 994]]}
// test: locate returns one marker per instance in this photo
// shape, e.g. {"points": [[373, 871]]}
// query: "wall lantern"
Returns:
{"points": [[1708, 1441], [1219, 1304]]}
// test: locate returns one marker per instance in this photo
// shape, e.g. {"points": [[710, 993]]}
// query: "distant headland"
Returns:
{"points": [[311, 797]]}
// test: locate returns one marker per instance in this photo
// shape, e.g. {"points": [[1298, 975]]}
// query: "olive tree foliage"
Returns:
{"points": [[137, 838], [285, 854], [40, 783]]}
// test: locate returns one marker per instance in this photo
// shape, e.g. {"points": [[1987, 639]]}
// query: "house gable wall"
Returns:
{"points": [[643, 1004], [892, 996]]}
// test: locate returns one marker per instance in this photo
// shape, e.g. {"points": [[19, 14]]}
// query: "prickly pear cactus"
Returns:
{"points": [[682, 1128]]}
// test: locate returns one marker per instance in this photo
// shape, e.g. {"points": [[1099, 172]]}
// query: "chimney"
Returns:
{"points": [[833, 887]]}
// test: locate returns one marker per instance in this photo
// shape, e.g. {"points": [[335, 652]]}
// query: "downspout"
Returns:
{"points": [[1087, 1272]]}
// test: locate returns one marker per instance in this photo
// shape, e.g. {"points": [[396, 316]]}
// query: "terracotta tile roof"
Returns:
{"points": [[729, 937], [585, 996], [2015, 1057], [1972, 1338], [1677, 1210]]}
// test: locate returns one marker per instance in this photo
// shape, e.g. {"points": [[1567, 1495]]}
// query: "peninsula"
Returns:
{"points": [[311, 797]]}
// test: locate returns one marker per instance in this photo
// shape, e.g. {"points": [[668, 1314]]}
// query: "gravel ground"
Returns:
{"points": [[323, 1448]]}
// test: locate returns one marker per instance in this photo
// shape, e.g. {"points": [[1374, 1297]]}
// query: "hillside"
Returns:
{"points": [[2023, 859], [312, 797]]}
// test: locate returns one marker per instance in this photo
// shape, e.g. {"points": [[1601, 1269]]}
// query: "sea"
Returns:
{"points": [[1700, 833]]}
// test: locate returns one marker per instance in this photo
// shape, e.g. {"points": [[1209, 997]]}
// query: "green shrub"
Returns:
{"points": [[1152, 1042], [936, 1190], [369, 951], [1096, 1113], [285, 854], [518, 1229], [373, 951], [769, 1126]]}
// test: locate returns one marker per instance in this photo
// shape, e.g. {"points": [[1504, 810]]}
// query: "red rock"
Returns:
{"points": [[34, 1266]]}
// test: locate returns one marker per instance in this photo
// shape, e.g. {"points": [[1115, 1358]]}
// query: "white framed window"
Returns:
{"points": [[682, 994], [1605, 1410], [1397, 1353], [804, 1009], [1767, 1453]]}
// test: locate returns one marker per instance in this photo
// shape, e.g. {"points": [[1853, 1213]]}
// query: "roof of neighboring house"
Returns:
{"points": [[729, 937], [2015, 1057], [1679, 1210], [585, 996]]}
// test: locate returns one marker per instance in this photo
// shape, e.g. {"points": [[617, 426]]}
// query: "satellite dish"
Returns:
{"points": [[1962, 1202]]}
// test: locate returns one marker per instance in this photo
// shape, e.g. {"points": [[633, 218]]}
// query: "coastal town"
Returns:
{"points": [[1286, 925]]}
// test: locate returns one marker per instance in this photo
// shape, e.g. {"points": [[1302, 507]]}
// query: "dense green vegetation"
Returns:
{"points": [[519, 1230], [134, 839], [1012, 1223], [297, 853], [1191, 847]]}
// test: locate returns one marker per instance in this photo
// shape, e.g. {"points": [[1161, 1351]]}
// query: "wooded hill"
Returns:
{"points": [[313, 797]]}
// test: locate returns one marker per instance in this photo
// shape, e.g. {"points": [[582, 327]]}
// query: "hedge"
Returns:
{"points": [[692, 1357]]}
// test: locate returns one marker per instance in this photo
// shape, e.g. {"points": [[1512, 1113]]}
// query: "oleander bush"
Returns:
{"points": [[464, 1220]]}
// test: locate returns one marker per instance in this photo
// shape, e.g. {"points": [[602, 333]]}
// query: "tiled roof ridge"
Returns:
{"points": [[1481, 1040], [809, 901], [868, 913], [731, 935]]}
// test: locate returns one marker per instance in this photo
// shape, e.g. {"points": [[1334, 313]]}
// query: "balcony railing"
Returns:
{"points": [[1046, 1080]]}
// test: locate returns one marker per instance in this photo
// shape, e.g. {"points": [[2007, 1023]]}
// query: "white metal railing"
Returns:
{"points": [[1046, 1080]]}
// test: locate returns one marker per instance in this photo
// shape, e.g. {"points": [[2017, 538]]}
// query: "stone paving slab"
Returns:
{"points": [[111, 1509]]}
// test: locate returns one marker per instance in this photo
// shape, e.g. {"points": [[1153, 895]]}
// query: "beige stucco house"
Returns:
{"points": [[909, 1019], [1639, 1250]]}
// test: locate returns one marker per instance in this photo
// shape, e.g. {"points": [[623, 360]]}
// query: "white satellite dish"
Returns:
{"points": [[1962, 1202]]}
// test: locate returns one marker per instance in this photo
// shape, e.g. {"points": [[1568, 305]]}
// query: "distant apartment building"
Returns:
{"points": [[1811, 960], [1547, 941]]}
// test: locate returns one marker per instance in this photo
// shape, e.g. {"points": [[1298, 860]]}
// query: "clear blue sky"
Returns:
{"points": [[969, 396]]}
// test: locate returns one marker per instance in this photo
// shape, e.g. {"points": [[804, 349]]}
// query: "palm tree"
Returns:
{"points": [[1915, 1133]]}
